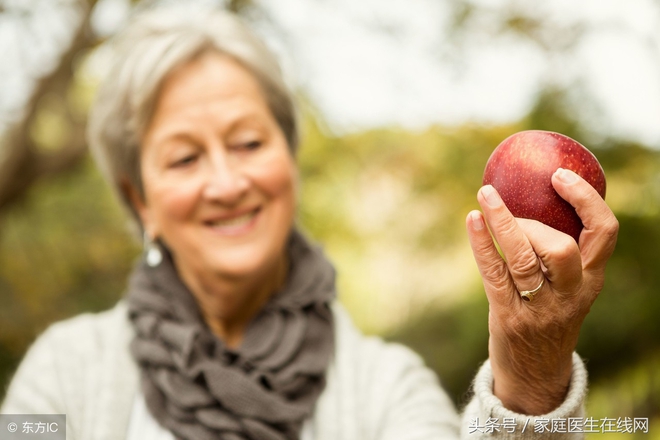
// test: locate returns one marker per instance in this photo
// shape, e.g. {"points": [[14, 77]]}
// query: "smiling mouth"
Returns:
{"points": [[235, 225]]}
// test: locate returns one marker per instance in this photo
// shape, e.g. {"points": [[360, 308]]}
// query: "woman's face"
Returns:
{"points": [[219, 181]]}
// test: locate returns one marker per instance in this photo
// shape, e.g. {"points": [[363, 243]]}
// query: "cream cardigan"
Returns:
{"points": [[375, 391]]}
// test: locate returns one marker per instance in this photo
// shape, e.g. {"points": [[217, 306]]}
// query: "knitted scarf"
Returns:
{"points": [[199, 389]]}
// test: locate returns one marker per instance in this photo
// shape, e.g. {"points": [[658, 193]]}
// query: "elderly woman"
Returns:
{"points": [[230, 328]]}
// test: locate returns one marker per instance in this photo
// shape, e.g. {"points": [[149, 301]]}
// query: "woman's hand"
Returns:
{"points": [[531, 342]]}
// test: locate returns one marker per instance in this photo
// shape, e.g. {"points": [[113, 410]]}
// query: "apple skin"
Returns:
{"points": [[521, 169]]}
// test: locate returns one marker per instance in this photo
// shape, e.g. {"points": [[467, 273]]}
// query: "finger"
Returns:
{"points": [[522, 262], [558, 252], [493, 270], [598, 238]]}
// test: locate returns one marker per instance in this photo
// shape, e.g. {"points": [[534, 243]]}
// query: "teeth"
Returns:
{"points": [[236, 221]]}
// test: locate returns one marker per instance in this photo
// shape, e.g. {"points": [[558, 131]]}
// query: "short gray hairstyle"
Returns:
{"points": [[155, 43]]}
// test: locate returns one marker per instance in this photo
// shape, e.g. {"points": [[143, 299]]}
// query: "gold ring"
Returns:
{"points": [[528, 295]]}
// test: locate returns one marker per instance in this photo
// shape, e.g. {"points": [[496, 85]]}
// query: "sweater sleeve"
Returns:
{"points": [[417, 406], [35, 387], [78, 367], [42, 382], [378, 390], [485, 416]]}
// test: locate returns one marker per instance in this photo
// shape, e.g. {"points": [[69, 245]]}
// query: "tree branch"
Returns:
{"points": [[24, 163]]}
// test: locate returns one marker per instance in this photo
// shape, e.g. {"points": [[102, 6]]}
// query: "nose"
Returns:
{"points": [[226, 182]]}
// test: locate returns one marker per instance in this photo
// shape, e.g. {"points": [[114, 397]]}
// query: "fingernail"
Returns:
{"points": [[492, 197], [566, 176], [477, 221]]}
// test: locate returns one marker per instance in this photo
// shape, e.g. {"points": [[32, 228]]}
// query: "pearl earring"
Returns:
{"points": [[153, 255]]}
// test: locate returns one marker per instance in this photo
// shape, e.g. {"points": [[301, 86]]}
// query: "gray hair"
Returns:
{"points": [[153, 45]]}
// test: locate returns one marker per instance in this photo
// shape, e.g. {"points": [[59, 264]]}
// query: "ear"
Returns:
{"points": [[139, 205]]}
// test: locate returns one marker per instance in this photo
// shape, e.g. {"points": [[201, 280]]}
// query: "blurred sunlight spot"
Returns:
{"points": [[109, 16], [626, 76]]}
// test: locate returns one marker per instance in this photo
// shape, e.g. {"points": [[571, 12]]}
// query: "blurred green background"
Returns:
{"points": [[388, 204]]}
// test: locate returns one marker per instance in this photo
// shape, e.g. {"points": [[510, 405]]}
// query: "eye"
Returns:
{"points": [[184, 161], [251, 145]]}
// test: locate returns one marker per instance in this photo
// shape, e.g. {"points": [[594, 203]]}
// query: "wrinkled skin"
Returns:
{"points": [[531, 343]]}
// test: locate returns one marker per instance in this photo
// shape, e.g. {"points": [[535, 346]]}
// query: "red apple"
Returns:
{"points": [[521, 168]]}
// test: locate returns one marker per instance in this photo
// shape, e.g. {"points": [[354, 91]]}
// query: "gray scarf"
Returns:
{"points": [[199, 389]]}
